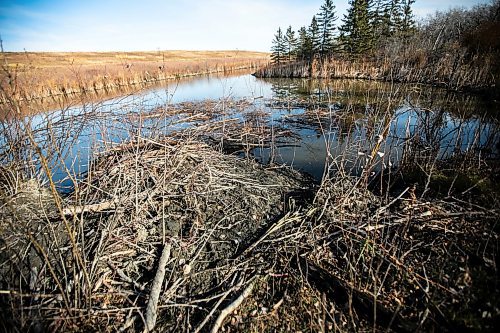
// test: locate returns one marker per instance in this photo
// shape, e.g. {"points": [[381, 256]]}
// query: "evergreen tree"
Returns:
{"points": [[326, 22], [278, 49], [408, 22], [363, 42], [305, 45], [375, 13], [385, 10], [315, 36], [290, 44], [356, 34], [346, 29], [390, 17], [396, 17]]}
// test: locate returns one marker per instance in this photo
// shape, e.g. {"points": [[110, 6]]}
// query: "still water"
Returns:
{"points": [[349, 118]]}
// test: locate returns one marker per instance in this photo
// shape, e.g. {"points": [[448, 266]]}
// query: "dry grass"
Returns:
{"points": [[36, 75], [454, 72], [63, 59]]}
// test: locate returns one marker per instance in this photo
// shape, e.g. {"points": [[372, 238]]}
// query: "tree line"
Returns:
{"points": [[458, 48], [366, 25]]}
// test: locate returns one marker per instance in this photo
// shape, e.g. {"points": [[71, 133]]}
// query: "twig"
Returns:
{"points": [[223, 297], [382, 209], [289, 217], [129, 322], [94, 208], [124, 276]]}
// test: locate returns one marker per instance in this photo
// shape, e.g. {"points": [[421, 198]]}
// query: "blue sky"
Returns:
{"points": [[113, 25]]}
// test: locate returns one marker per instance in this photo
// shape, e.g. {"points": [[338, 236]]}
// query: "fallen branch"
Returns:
{"points": [[156, 289], [231, 307], [95, 208]]}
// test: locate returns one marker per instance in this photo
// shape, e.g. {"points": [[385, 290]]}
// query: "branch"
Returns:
{"points": [[156, 289], [94, 208], [231, 307]]}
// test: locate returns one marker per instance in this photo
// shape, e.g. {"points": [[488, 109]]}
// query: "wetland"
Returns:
{"points": [[294, 198]]}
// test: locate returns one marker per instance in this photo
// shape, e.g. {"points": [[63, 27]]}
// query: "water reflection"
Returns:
{"points": [[347, 123], [422, 121]]}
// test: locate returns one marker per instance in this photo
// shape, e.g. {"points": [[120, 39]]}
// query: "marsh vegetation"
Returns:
{"points": [[41, 78], [282, 204], [284, 201]]}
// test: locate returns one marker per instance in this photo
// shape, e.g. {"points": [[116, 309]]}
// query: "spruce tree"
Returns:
{"points": [[278, 49], [375, 19], [305, 46], [356, 34], [315, 36], [396, 17], [385, 18], [390, 17], [326, 22], [290, 44], [408, 22], [364, 41], [346, 29]]}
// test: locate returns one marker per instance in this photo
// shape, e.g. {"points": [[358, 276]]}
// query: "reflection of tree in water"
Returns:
{"points": [[354, 91], [284, 89], [300, 89], [445, 123], [466, 122], [450, 131]]}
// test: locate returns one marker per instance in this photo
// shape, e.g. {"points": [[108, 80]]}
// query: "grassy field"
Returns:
{"points": [[37, 75], [57, 60]]}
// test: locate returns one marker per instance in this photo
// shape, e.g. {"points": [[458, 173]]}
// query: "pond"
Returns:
{"points": [[352, 123]]}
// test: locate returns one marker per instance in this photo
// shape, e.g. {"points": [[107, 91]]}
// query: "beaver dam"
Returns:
{"points": [[250, 205]]}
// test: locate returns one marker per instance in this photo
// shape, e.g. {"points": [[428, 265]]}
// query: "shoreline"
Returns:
{"points": [[372, 71], [44, 75]]}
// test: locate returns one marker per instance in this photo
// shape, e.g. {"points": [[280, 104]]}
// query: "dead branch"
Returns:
{"points": [[95, 208], [231, 307], [156, 289]]}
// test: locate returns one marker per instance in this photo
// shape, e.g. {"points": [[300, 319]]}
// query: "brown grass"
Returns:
{"points": [[46, 74], [454, 71], [64, 59]]}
